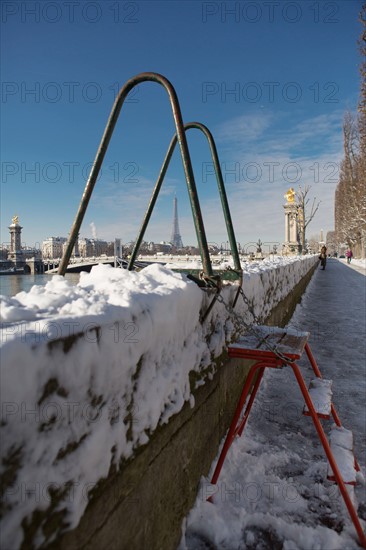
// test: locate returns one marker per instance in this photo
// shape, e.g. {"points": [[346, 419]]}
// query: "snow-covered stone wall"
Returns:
{"points": [[88, 372]]}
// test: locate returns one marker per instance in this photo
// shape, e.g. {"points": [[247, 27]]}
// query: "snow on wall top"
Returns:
{"points": [[89, 371]]}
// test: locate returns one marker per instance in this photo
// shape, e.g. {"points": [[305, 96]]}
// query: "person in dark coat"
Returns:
{"points": [[323, 256]]}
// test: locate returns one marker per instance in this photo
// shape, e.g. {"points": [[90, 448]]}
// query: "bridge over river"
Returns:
{"points": [[77, 265]]}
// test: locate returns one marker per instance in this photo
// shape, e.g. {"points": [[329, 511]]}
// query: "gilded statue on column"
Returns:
{"points": [[290, 195]]}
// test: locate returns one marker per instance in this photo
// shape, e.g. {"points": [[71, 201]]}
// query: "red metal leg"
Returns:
{"points": [[238, 424], [312, 360], [253, 393], [319, 375], [329, 454], [232, 430]]}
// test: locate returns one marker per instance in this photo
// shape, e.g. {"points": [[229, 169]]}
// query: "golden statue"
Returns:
{"points": [[290, 195], [15, 220]]}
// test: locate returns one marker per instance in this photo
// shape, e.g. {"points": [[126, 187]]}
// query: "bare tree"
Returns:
{"points": [[313, 243], [361, 165], [305, 213], [331, 242], [350, 196], [362, 100]]}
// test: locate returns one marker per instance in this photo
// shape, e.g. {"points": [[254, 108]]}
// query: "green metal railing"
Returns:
{"points": [[180, 137], [220, 184]]}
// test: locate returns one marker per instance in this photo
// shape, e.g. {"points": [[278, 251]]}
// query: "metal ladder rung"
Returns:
{"points": [[320, 391], [341, 444]]}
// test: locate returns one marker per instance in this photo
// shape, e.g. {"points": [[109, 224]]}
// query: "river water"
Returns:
{"points": [[12, 284]]}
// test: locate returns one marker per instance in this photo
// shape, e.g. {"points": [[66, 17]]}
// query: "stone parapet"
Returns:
{"points": [[140, 500]]}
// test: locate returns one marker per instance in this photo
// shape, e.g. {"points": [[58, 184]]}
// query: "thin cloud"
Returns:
{"points": [[245, 127], [306, 152], [248, 133]]}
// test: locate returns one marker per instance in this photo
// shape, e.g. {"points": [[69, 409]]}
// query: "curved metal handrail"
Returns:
{"points": [[220, 184], [103, 146]]}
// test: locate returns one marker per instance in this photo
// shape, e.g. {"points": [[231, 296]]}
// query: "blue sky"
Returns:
{"points": [[271, 80]]}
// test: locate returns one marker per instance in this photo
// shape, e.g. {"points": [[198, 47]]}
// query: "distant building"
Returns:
{"points": [[52, 247], [99, 247], [164, 247], [88, 248], [75, 251], [85, 248]]}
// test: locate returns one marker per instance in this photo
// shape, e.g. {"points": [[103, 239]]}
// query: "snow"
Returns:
{"points": [[356, 264], [342, 437], [341, 443], [88, 372], [320, 391], [273, 491], [270, 339]]}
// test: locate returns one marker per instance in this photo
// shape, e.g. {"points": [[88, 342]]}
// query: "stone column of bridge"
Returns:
{"points": [[16, 254], [291, 244]]}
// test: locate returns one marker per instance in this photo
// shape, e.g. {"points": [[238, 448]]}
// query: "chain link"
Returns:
{"points": [[251, 327]]}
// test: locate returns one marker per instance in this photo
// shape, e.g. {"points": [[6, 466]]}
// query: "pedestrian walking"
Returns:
{"points": [[323, 256], [349, 255]]}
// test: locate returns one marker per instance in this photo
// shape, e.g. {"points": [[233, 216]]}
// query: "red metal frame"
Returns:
{"points": [[268, 359]]}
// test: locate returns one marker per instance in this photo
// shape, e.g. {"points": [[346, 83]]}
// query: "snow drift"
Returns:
{"points": [[89, 371]]}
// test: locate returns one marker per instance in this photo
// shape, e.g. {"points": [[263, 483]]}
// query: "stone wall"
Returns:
{"points": [[142, 505]]}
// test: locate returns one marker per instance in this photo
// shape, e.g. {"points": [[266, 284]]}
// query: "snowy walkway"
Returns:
{"points": [[358, 265], [272, 492]]}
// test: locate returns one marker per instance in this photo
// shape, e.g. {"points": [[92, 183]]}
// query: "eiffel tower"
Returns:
{"points": [[176, 239]]}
